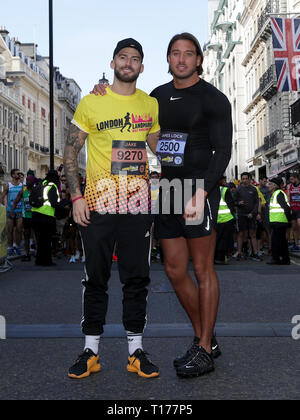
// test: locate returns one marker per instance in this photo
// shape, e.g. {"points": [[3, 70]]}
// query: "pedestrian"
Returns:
{"points": [[280, 216], [115, 205], [225, 225], [195, 144], [43, 219], [26, 213], [247, 202], [14, 217], [294, 198]]}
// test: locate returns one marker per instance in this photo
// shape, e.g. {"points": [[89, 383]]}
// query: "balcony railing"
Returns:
{"points": [[268, 83], [273, 140], [270, 142], [263, 25], [295, 112]]}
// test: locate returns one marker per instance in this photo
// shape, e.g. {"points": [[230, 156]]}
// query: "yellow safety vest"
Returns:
{"points": [[277, 214], [224, 214], [46, 208]]}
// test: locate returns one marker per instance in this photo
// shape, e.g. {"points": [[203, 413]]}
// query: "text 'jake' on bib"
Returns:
{"points": [[128, 156], [171, 147]]}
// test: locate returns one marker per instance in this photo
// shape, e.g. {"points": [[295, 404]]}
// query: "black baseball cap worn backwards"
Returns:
{"points": [[129, 43]]}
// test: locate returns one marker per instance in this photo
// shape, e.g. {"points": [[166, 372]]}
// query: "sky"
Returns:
{"points": [[87, 32]]}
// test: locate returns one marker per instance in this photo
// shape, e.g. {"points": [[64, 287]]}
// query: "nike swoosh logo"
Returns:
{"points": [[214, 348], [208, 224], [174, 99]]}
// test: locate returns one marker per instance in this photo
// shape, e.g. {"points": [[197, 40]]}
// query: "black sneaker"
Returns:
{"points": [[193, 349], [215, 351], [140, 364], [87, 363], [200, 364]]}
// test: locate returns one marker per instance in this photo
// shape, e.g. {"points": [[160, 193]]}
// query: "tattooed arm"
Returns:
{"points": [[74, 144]]}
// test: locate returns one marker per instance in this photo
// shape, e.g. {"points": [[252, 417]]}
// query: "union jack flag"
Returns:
{"points": [[286, 43]]}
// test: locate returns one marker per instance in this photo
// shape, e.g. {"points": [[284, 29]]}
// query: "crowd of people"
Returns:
{"points": [[44, 231], [262, 218], [244, 231]]}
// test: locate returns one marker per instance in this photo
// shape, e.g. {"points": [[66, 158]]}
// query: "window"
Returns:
{"points": [[16, 123], [1, 115], [5, 118], [16, 164], [23, 100], [43, 111], [10, 120]]}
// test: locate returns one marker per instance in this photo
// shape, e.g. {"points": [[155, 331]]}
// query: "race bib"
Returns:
{"points": [[128, 156], [296, 197], [170, 148]]}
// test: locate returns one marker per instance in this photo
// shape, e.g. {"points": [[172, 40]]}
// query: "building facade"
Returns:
{"points": [[24, 78], [222, 67], [240, 62]]}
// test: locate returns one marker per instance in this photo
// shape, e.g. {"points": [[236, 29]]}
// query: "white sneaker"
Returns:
{"points": [[72, 259], [77, 255]]}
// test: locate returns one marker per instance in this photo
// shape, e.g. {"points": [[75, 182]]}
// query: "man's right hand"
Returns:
{"points": [[99, 89], [81, 213]]}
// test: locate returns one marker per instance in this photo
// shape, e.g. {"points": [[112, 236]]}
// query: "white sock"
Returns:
{"points": [[92, 343], [134, 342]]}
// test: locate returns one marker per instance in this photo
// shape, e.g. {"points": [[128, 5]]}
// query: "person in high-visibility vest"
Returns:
{"points": [[279, 216], [225, 225], [44, 221]]}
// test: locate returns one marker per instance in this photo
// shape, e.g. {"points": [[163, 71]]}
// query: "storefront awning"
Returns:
{"points": [[284, 169]]}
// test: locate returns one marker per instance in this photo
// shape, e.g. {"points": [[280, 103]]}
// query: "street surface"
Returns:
{"points": [[42, 308]]}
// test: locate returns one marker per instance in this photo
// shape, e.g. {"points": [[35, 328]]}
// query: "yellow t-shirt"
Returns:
{"points": [[117, 128], [261, 196]]}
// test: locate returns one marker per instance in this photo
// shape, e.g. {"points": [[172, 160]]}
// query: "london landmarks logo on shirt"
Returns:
{"points": [[131, 123]]}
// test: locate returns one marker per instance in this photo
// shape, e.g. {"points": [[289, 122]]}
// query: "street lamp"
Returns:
{"points": [[51, 75], [104, 81]]}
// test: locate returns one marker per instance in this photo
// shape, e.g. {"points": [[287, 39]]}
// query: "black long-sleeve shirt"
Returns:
{"points": [[204, 113]]}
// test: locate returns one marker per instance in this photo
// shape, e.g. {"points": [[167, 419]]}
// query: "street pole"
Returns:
{"points": [[51, 75]]}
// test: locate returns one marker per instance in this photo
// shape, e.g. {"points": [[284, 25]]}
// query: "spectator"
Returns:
{"points": [[43, 218], [247, 202], [280, 216], [62, 212], [294, 198], [14, 217], [26, 213], [225, 225]]}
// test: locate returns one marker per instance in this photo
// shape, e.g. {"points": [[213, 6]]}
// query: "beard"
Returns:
{"points": [[183, 76], [126, 78]]}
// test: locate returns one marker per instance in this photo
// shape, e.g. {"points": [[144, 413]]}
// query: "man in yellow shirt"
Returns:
{"points": [[115, 207]]}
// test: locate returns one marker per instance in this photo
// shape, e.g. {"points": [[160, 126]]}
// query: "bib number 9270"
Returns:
{"points": [[129, 156]]}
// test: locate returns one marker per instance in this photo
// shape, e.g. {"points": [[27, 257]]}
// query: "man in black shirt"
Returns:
{"points": [[202, 114], [247, 202], [195, 144]]}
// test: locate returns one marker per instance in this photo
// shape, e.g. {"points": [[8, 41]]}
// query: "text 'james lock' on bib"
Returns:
{"points": [[128, 156], [170, 148]]}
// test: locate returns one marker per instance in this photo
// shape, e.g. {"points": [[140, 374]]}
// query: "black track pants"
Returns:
{"points": [[132, 233]]}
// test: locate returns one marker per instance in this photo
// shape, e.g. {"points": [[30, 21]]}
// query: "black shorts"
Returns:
{"points": [[295, 214], [27, 223], [246, 224], [171, 226]]}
